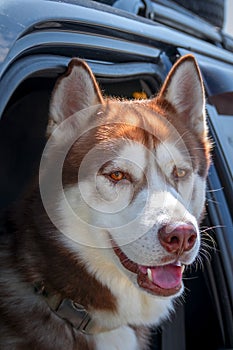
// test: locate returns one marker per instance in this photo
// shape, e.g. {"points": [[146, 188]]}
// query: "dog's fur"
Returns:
{"points": [[113, 175]]}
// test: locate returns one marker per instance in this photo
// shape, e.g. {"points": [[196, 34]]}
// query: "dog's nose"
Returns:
{"points": [[177, 238]]}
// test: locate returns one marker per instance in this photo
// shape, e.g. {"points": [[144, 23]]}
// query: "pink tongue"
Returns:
{"points": [[166, 277]]}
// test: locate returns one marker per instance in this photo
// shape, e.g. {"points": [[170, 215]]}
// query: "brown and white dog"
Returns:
{"points": [[100, 245]]}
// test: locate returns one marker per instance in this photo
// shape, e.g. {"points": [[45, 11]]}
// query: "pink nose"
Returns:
{"points": [[177, 238]]}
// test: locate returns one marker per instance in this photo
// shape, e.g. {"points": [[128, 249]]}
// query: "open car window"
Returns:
{"points": [[222, 120], [218, 80]]}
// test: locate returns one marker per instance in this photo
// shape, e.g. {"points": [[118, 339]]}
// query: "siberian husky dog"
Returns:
{"points": [[100, 244]]}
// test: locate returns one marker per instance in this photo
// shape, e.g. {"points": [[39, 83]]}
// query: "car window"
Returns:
{"points": [[223, 102], [218, 81], [222, 120], [223, 127]]}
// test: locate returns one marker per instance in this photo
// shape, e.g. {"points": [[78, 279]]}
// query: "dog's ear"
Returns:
{"points": [[184, 90], [76, 90]]}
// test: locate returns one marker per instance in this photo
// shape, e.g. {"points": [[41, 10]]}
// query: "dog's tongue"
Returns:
{"points": [[167, 277]]}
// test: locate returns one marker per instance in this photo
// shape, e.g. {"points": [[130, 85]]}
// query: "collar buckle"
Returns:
{"points": [[67, 309], [75, 313], [70, 311]]}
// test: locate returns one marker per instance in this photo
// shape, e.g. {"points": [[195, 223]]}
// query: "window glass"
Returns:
{"points": [[218, 81]]}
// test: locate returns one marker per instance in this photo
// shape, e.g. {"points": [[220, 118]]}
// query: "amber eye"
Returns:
{"points": [[179, 173], [117, 176]]}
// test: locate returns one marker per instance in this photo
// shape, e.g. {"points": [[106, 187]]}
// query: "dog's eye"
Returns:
{"points": [[117, 175], [179, 173]]}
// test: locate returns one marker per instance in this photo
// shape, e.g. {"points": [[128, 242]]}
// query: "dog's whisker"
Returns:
{"points": [[210, 200], [215, 190]]}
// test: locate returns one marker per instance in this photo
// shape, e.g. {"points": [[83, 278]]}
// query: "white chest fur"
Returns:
{"points": [[118, 339]]}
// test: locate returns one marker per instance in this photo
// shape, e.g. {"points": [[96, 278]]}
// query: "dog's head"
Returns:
{"points": [[131, 179]]}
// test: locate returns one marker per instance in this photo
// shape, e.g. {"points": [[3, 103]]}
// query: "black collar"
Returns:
{"points": [[69, 310]]}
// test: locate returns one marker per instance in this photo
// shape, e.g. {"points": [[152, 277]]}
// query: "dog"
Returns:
{"points": [[97, 248]]}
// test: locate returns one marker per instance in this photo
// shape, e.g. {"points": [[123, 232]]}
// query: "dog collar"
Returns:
{"points": [[69, 310]]}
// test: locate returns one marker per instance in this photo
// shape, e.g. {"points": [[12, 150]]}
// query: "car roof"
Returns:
{"points": [[21, 31]]}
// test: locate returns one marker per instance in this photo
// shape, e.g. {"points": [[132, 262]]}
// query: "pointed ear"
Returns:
{"points": [[76, 90], [184, 90]]}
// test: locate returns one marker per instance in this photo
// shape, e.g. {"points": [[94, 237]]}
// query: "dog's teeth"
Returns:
{"points": [[182, 268], [149, 274]]}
